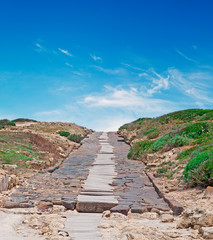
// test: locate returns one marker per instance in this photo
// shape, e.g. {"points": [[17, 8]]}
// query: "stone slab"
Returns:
{"points": [[83, 226]]}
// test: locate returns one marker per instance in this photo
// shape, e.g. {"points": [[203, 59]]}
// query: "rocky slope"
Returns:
{"points": [[177, 151], [27, 147]]}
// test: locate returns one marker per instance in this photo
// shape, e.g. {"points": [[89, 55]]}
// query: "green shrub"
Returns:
{"points": [[162, 170], [10, 124], [152, 133], [125, 126], [186, 115], [158, 144], [64, 133], [178, 141], [199, 170], [75, 138], [197, 130], [138, 149]]}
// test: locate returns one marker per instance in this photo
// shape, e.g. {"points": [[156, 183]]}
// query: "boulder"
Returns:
{"points": [[208, 192], [207, 232], [11, 169], [195, 218], [167, 218], [4, 180]]}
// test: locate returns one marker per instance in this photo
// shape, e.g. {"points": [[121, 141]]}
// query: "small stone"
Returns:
{"points": [[155, 210], [139, 209], [120, 209], [44, 206], [150, 215], [69, 204], [208, 192], [106, 214], [207, 232], [11, 169], [167, 218]]}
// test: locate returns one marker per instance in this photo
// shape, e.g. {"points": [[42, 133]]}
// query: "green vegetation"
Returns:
{"points": [[75, 138], [192, 129], [64, 133], [23, 120], [72, 137], [10, 124], [17, 148]]}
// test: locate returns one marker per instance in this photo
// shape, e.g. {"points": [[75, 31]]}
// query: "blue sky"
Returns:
{"points": [[104, 63]]}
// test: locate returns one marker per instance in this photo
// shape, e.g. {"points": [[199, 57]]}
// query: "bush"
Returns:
{"points": [[64, 133], [178, 141], [199, 170], [162, 170], [197, 130], [158, 144], [75, 138], [10, 124], [139, 148], [152, 133]]}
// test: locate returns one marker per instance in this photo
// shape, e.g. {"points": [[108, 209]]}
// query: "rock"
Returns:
{"points": [[37, 164], [106, 214], [4, 180], [195, 218], [150, 215], [11, 169], [44, 206], [69, 204], [94, 207], [63, 233], [57, 209], [167, 218], [208, 192], [13, 181], [123, 209], [139, 209], [207, 232]]}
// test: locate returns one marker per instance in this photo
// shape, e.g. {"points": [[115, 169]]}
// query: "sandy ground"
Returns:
{"points": [[8, 224]]}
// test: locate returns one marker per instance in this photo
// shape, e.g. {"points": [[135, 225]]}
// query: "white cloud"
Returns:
{"points": [[116, 71], [39, 48], [69, 65], [192, 85], [77, 73], [38, 45], [95, 58], [184, 56], [158, 84], [143, 75], [132, 67], [130, 99], [65, 52]]}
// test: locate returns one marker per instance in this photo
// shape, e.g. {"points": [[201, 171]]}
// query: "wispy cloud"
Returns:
{"points": [[158, 83], [132, 67], [131, 99], [184, 56], [192, 85], [69, 65], [116, 71], [39, 48], [77, 73], [65, 52], [95, 58]]}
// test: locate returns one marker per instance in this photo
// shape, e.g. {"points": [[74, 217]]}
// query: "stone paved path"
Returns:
{"points": [[97, 191], [95, 178]]}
